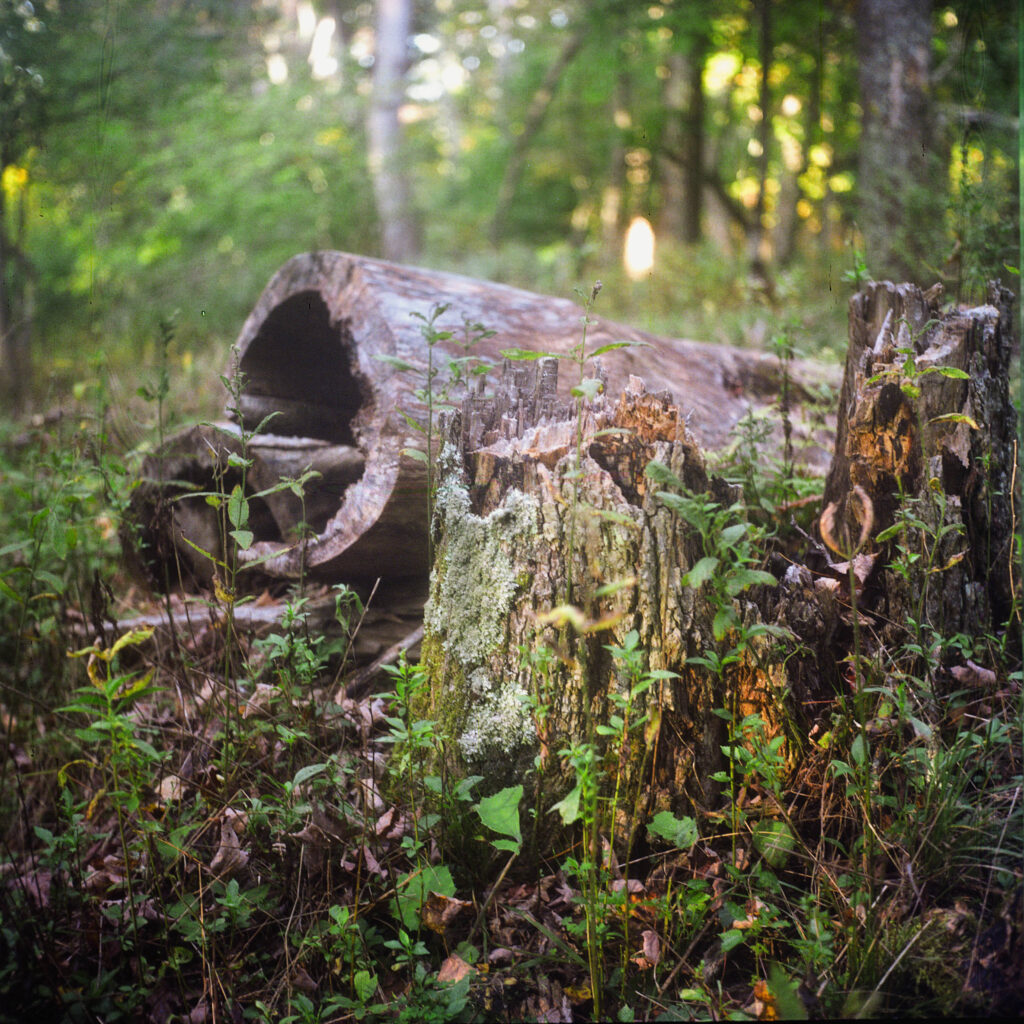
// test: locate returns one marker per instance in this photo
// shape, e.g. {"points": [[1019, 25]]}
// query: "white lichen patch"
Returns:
{"points": [[476, 581], [500, 721]]}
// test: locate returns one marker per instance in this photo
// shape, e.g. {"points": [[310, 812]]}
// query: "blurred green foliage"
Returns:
{"points": [[165, 157]]}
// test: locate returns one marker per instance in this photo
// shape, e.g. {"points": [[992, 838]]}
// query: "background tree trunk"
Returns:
{"points": [[532, 123], [756, 248], [399, 231], [681, 166], [900, 211]]}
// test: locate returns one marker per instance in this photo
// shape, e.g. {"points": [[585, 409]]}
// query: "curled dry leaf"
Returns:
{"points": [[36, 886], [763, 1004], [230, 858], [632, 885], [973, 676], [650, 955], [301, 980], [439, 911], [862, 566], [454, 969], [170, 789], [753, 907]]}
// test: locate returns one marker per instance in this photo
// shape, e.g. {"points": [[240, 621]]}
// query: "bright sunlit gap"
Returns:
{"points": [[638, 252]]}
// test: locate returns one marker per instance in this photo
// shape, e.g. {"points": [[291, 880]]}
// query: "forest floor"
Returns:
{"points": [[199, 825]]}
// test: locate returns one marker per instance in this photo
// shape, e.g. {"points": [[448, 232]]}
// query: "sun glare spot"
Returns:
{"points": [[638, 252]]}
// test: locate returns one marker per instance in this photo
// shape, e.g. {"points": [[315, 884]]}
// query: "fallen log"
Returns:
{"points": [[319, 352]]}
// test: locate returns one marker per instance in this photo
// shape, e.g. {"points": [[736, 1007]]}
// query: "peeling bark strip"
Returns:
{"points": [[925, 423], [309, 352]]}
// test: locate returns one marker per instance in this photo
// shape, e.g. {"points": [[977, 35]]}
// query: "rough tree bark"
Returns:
{"points": [[522, 531], [926, 428], [900, 209]]}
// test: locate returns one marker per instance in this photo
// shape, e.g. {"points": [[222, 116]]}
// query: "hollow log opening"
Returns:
{"points": [[299, 366]]}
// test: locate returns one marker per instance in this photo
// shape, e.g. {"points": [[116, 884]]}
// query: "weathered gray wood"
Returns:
{"points": [[309, 353]]}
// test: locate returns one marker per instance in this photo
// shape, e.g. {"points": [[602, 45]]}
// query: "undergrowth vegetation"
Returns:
{"points": [[201, 825]]}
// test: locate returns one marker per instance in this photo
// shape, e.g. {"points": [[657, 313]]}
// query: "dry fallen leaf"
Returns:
{"points": [[764, 1004], [650, 955], [170, 789], [454, 969], [439, 911], [754, 907], [230, 857], [974, 676]]}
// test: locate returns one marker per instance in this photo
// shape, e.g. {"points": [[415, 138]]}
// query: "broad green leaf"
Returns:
{"points": [[610, 516], [398, 364], [787, 995], [413, 888], [859, 750], [731, 939], [365, 984], [774, 841], [681, 832], [588, 388], [701, 572], [243, 538], [416, 455], [741, 579], [310, 770], [608, 589], [569, 806], [132, 638], [955, 417], [890, 531], [725, 619], [661, 474], [612, 346], [525, 355], [500, 813], [733, 533], [948, 371], [238, 507]]}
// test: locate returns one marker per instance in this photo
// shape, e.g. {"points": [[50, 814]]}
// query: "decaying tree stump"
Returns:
{"points": [[310, 354], [926, 432], [521, 532]]}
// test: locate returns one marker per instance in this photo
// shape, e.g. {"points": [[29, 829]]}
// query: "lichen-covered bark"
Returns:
{"points": [[602, 541]]}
